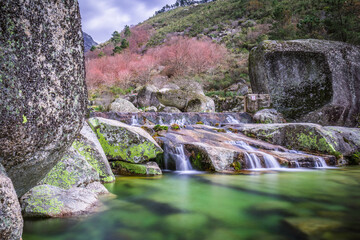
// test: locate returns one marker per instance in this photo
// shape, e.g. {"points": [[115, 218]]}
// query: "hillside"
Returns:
{"points": [[237, 25]]}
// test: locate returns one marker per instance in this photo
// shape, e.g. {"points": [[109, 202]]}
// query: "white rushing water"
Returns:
{"points": [[176, 154], [134, 121], [180, 122], [232, 120], [320, 163], [253, 160]]}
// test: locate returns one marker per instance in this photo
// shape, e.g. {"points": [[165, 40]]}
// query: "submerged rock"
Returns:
{"points": [[122, 105], [42, 89], [87, 145], [131, 169], [11, 224], [52, 201], [124, 142], [269, 116], [309, 80]]}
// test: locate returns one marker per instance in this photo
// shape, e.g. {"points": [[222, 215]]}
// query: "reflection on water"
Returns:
{"points": [[317, 204]]}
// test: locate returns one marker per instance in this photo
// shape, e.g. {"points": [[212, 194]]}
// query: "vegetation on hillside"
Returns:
{"points": [[188, 41]]}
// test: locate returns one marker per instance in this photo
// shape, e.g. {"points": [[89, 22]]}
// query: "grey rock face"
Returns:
{"points": [[42, 90], [147, 96], [309, 80], [11, 223], [122, 105], [90, 148]]}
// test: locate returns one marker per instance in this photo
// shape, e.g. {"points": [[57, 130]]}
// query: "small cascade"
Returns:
{"points": [[232, 120], [161, 122], [320, 163], [177, 155], [254, 161], [134, 121], [180, 122], [270, 161]]}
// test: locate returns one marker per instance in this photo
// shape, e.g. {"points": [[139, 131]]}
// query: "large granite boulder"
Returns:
{"points": [[123, 142], [269, 116], [11, 224], [123, 105], [309, 80], [42, 89], [87, 145]]}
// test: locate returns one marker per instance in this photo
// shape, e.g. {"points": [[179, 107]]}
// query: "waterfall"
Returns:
{"points": [[253, 161], [134, 120], [270, 161], [180, 122], [320, 163], [177, 155], [232, 120]]}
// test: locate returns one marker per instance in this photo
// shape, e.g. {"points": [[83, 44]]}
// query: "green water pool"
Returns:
{"points": [[317, 204]]}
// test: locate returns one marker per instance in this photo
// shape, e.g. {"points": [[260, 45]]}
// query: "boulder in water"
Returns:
{"points": [[123, 105], [42, 89], [11, 224], [52, 201], [269, 116], [124, 142], [87, 145], [132, 169], [309, 80]]}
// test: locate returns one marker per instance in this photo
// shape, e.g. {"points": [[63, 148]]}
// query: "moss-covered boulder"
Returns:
{"points": [[87, 145], [124, 142], [307, 137], [11, 223], [72, 171], [131, 169], [269, 116], [52, 201], [146, 96], [309, 80], [42, 89]]}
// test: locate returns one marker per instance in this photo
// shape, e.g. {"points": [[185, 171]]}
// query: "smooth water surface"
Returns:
{"points": [[322, 204]]}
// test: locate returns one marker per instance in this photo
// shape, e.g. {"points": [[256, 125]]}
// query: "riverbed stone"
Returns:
{"points": [[52, 201], [123, 105], [131, 169], [87, 145], [43, 95], [309, 80], [123, 142], [11, 224]]}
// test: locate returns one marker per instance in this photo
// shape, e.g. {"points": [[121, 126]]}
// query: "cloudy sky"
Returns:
{"points": [[102, 17]]}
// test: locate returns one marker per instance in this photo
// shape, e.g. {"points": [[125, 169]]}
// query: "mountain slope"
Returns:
{"points": [[88, 42]]}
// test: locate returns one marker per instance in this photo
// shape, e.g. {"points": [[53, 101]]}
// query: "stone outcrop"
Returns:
{"points": [[42, 90], [309, 80], [124, 142], [122, 105], [11, 222], [87, 145], [147, 96]]}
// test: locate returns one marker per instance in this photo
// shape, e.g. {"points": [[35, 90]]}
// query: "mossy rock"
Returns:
{"points": [[131, 169], [124, 142]]}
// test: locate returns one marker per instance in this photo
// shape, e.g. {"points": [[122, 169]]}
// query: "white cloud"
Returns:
{"points": [[102, 17]]}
